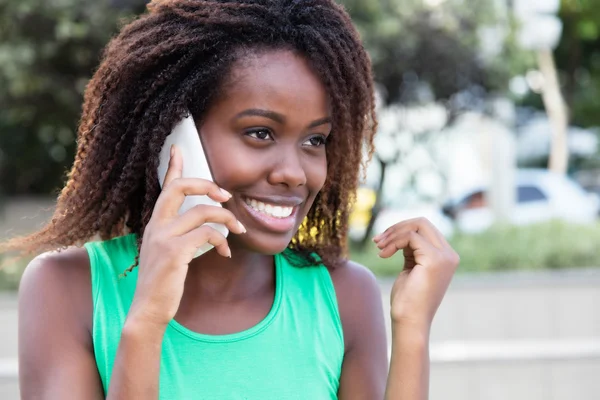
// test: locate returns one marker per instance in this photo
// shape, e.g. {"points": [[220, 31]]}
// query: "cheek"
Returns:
{"points": [[232, 172], [316, 174], [228, 171]]}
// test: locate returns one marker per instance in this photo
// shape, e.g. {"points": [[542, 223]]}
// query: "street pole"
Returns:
{"points": [[557, 112], [540, 31]]}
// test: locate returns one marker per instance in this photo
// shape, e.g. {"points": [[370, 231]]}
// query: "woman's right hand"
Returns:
{"points": [[171, 240]]}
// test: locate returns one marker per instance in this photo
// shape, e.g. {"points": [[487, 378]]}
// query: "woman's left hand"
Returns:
{"points": [[429, 264]]}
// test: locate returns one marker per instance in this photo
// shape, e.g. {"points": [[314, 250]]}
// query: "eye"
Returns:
{"points": [[260, 134], [316, 141]]}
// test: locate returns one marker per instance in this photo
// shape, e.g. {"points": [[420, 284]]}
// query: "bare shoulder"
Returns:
{"points": [[55, 326], [58, 279], [72, 259], [359, 298], [350, 276], [53, 270], [364, 369]]}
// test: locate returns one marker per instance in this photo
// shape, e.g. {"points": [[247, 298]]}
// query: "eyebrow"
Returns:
{"points": [[279, 118], [322, 121]]}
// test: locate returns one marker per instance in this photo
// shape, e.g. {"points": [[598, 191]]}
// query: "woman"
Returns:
{"points": [[282, 95]]}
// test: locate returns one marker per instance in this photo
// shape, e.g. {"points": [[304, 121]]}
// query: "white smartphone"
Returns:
{"points": [[195, 165]]}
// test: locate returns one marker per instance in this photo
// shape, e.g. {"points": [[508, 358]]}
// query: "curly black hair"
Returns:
{"points": [[178, 57]]}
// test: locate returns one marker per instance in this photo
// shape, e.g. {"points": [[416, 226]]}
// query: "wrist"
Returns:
{"points": [[413, 346], [139, 322], [142, 331], [411, 332]]}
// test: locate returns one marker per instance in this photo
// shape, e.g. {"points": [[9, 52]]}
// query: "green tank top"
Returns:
{"points": [[295, 352]]}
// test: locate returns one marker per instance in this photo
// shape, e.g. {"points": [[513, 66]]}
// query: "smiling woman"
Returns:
{"points": [[282, 95]]}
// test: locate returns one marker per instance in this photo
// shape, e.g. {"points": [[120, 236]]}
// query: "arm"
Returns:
{"points": [[137, 364], [429, 264], [169, 244], [409, 365], [56, 351], [56, 357], [364, 370]]}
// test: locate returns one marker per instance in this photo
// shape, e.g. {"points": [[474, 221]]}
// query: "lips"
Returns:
{"points": [[275, 213], [272, 210]]}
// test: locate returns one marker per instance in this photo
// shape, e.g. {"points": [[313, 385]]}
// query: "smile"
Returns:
{"points": [[275, 214], [271, 210]]}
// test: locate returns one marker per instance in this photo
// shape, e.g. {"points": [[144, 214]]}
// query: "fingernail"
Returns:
{"points": [[242, 227], [228, 253], [226, 193], [172, 150]]}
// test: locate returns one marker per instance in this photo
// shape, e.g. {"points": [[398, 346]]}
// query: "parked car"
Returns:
{"points": [[541, 196]]}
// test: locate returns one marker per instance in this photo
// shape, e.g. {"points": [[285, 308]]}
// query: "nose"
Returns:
{"points": [[288, 169]]}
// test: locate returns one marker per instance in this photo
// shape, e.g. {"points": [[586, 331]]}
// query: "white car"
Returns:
{"points": [[541, 196]]}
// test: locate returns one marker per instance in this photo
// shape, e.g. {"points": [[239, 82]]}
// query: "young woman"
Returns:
{"points": [[282, 95]]}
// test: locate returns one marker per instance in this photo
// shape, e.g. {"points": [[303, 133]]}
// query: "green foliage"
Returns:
{"points": [[437, 45], [11, 272], [48, 52], [578, 59], [545, 246]]}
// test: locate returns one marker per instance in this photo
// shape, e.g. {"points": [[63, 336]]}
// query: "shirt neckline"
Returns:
{"points": [[247, 333]]}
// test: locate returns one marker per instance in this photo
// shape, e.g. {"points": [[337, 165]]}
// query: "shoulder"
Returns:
{"points": [[62, 268], [56, 351], [59, 282], [350, 276], [359, 299]]}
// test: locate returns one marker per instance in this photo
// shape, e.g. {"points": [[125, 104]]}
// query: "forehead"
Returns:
{"points": [[280, 81]]}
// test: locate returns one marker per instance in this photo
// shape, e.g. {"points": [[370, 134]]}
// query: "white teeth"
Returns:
{"points": [[270, 209]]}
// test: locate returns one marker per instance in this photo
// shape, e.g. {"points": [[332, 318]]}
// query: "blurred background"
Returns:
{"points": [[489, 126]]}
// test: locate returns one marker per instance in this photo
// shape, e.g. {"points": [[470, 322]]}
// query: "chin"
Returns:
{"points": [[262, 243]]}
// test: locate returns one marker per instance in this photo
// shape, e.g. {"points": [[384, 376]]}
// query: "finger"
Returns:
{"points": [[201, 214], [207, 234], [390, 248], [421, 225], [175, 168], [171, 199], [412, 241], [431, 232], [390, 230], [403, 228]]}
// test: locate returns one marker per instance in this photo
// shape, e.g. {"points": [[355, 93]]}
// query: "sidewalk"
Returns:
{"points": [[9, 389]]}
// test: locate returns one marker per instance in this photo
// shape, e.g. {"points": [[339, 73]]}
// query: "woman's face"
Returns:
{"points": [[265, 142]]}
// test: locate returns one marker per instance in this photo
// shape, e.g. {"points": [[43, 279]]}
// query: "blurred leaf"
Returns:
{"points": [[505, 248], [440, 46], [48, 52], [588, 30]]}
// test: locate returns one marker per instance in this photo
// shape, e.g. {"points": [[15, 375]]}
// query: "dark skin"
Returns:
{"points": [[279, 157]]}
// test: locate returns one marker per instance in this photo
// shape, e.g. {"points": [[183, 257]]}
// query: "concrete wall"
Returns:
{"points": [[518, 336]]}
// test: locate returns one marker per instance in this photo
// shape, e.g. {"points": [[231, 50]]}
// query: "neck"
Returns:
{"points": [[245, 274]]}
